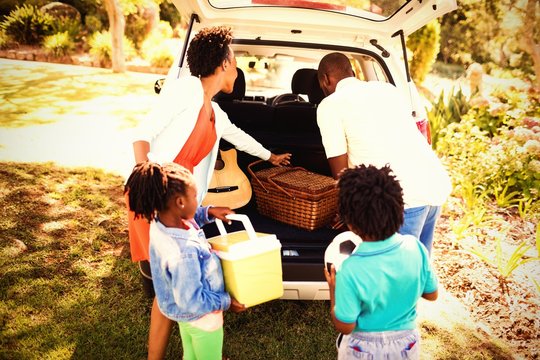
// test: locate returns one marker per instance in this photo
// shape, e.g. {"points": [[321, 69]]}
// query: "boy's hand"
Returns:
{"points": [[330, 277], [219, 212], [236, 307]]}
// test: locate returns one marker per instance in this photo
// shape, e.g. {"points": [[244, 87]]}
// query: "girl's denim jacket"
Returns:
{"points": [[187, 276]]}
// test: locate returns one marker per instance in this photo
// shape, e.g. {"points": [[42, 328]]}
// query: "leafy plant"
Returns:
{"points": [[27, 24], [72, 26], [424, 43], [155, 49], [101, 47], [4, 40], [59, 44], [445, 112], [503, 198], [507, 265]]}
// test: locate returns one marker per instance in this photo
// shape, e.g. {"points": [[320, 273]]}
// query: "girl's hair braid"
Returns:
{"points": [[371, 201], [208, 49], [150, 186]]}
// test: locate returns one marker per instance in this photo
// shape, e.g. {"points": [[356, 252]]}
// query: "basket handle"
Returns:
{"points": [[253, 174], [238, 217]]}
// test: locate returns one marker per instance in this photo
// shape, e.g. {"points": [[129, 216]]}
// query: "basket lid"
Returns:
{"points": [[305, 181]]}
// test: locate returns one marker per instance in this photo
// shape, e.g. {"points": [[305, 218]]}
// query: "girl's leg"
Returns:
{"points": [[201, 345], [158, 336]]}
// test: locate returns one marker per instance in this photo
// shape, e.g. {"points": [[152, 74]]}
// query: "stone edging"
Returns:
{"points": [[79, 59]]}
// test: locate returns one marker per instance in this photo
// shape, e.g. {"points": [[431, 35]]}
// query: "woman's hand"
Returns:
{"points": [[280, 160], [220, 212], [236, 307]]}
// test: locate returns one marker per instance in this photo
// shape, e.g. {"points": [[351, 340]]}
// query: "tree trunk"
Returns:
{"points": [[529, 25], [116, 28]]}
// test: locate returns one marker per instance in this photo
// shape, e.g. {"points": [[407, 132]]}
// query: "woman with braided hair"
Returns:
{"points": [[373, 296], [185, 128], [187, 275]]}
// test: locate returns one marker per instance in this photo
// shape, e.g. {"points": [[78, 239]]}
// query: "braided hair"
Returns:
{"points": [[208, 49], [371, 201], [150, 186]]}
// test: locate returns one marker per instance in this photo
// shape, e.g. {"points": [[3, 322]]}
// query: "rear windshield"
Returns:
{"points": [[361, 8], [268, 75]]}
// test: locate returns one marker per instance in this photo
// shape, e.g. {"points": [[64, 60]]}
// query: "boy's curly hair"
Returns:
{"points": [[208, 49], [371, 201]]}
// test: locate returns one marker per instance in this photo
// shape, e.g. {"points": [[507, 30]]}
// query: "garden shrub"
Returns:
{"points": [[93, 24], [27, 24], [59, 44], [155, 50], [72, 26], [442, 114], [424, 44], [497, 145], [4, 40], [101, 47]]}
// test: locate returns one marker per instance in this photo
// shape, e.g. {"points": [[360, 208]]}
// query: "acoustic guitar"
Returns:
{"points": [[229, 185]]}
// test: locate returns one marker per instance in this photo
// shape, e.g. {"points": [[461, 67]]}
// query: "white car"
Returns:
{"points": [[278, 45]]}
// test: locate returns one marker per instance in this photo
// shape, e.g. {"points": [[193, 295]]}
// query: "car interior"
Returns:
{"points": [[283, 118], [285, 123]]}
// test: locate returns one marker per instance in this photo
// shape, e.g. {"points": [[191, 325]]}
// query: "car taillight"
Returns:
{"points": [[423, 126]]}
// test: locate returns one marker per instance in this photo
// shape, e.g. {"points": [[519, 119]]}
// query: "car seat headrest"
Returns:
{"points": [[239, 89], [305, 81]]}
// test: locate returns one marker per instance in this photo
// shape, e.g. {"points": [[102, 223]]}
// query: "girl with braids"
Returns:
{"points": [[373, 296], [187, 275], [185, 128]]}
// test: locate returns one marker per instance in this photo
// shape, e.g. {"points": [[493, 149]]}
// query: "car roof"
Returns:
{"points": [[315, 21]]}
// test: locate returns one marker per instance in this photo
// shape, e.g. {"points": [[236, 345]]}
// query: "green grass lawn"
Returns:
{"points": [[69, 290]]}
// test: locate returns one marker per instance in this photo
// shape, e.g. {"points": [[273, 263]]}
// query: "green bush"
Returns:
{"points": [[4, 40], [155, 50], [59, 44], [424, 43], [444, 112], [27, 24], [93, 24], [136, 28], [101, 47], [72, 26], [497, 145]]}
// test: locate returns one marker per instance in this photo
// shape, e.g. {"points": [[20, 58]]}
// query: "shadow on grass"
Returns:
{"points": [[69, 290]]}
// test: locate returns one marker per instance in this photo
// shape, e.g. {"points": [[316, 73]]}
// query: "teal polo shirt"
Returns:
{"points": [[378, 286]]}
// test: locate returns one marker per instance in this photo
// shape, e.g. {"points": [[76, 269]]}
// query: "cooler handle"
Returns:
{"points": [[238, 217]]}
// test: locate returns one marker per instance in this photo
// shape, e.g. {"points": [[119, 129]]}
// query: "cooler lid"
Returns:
{"points": [[237, 240]]}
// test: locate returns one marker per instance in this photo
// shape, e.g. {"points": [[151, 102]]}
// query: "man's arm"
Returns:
{"points": [[337, 164]]}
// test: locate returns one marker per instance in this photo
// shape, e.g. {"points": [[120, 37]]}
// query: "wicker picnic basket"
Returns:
{"points": [[294, 195]]}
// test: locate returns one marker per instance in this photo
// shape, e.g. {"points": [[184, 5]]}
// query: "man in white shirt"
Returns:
{"points": [[370, 123]]}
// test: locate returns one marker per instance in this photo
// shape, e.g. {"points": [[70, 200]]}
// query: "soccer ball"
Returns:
{"points": [[340, 248]]}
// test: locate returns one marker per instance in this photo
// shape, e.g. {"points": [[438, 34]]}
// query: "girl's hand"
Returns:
{"points": [[219, 212], [236, 307], [280, 160]]}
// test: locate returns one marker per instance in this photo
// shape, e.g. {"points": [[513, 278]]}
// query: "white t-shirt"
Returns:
{"points": [[371, 123]]}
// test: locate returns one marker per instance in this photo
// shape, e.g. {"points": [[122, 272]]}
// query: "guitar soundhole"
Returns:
{"points": [[220, 164]]}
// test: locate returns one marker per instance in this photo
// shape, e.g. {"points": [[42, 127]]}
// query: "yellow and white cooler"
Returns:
{"points": [[251, 262]]}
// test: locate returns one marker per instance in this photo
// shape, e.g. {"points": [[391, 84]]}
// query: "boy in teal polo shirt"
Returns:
{"points": [[373, 296]]}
